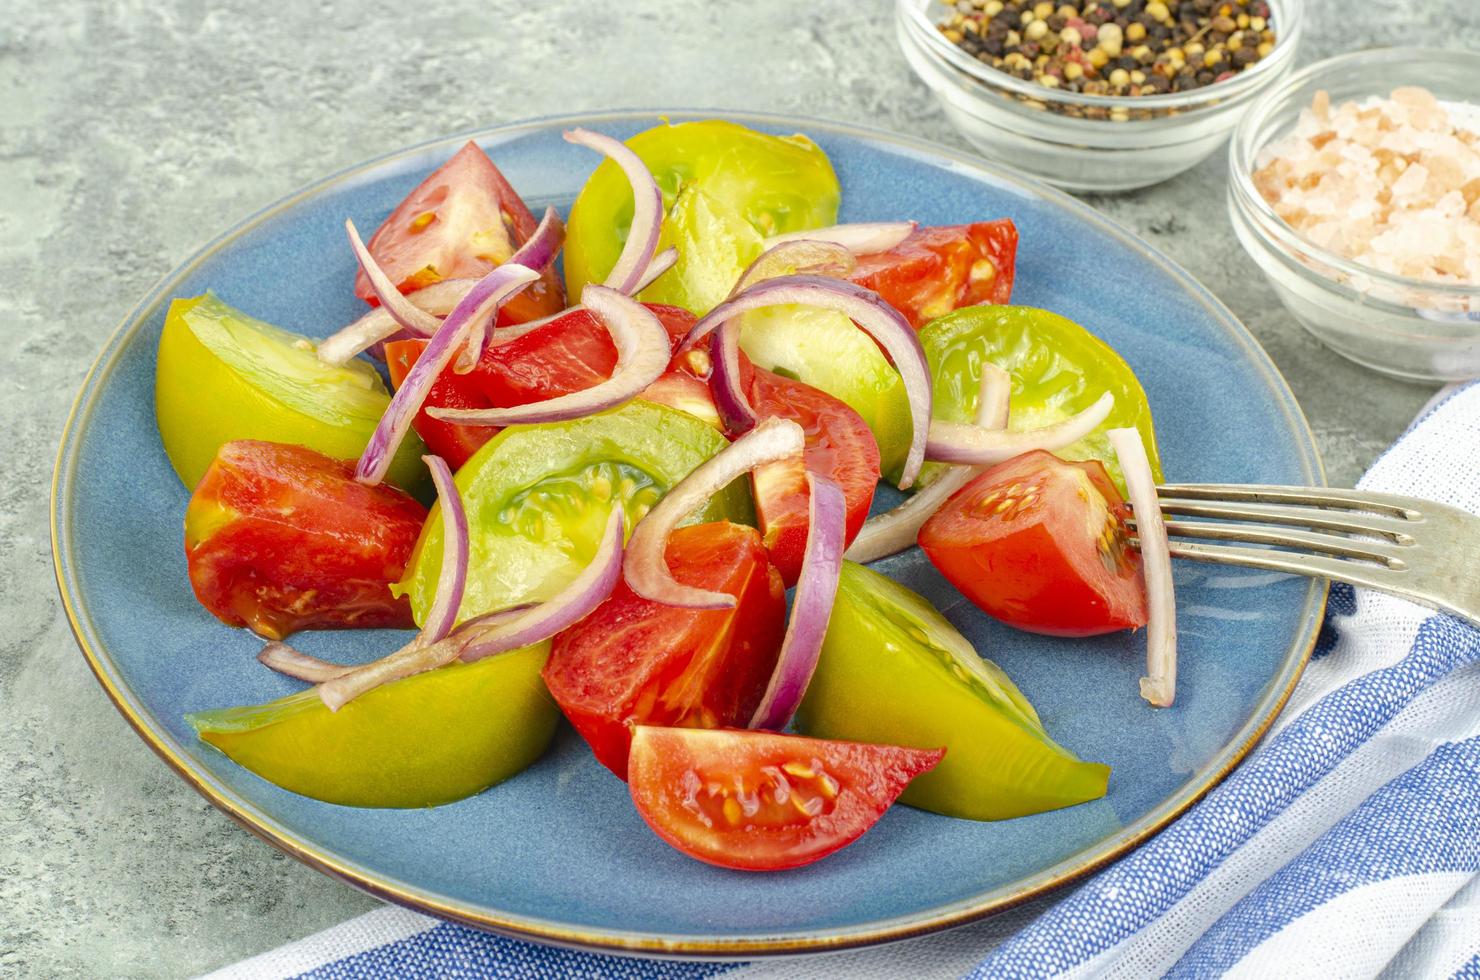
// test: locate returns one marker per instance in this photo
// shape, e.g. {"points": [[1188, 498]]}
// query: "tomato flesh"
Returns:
{"points": [[280, 538], [570, 353], [454, 443], [760, 801], [462, 222], [937, 270], [839, 446], [1042, 545], [634, 661]]}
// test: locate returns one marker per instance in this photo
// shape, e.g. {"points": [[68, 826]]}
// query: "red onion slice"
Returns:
{"points": [[402, 310], [572, 604], [646, 569], [794, 255], [482, 300], [952, 442], [811, 607], [865, 308], [1159, 686], [661, 263], [892, 532], [860, 239], [643, 353], [299, 665], [416, 657], [378, 325], [647, 208], [453, 576], [730, 397], [536, 253]]}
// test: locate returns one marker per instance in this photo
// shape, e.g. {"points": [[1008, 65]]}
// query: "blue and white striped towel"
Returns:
{"points": [[1347, 845]]}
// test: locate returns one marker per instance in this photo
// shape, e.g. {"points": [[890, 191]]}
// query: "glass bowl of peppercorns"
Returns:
{"points": [[1098, 95]]}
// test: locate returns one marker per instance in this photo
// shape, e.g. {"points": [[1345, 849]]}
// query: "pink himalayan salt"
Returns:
{"points": [[1392, 184]]}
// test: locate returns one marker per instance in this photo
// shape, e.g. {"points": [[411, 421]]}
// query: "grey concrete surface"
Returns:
{"points": [[132, 131]]}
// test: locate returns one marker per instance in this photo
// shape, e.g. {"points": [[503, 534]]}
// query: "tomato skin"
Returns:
{"points": [[839, 446], [1041, 544], [937, 270], [477, 221], [280, 538], [635, 661], [803, 798]]}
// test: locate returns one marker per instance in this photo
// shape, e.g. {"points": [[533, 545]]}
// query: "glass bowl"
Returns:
{"points": [[1087, 142], [1405, 327]]}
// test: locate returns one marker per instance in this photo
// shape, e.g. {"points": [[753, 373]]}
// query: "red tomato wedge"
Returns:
{"points": [[937, 270], [281, 538], [461, 222], [839, 446], [1042, 545], [570, 353], [759, 801], [634, 661]]}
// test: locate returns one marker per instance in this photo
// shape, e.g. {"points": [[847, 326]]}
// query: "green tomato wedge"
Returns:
{"points": [[774, 184], [223, 375], [894, 671], [715, 245], [827, 351], [538, 496], [1058, 369], [421, 741]]}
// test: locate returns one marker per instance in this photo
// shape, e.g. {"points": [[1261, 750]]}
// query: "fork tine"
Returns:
{"points": [[1380, 552], [1348, 522], [1336, 569], [1332, 497]]}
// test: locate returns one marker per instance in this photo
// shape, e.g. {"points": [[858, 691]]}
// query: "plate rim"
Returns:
{"points": [[633, 942]]}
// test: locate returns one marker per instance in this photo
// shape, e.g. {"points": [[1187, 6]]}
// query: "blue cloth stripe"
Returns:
{"points": [[1132, 894], [449, 951], [1470, 971], [1427, 820]]}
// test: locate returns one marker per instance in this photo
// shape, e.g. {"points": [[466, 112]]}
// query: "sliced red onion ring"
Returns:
{"points": [[536, 253], [796, 255], [865, 308], [661, 263], [414, 658], [647, 208], [811, 607], [643, 353], [573, 603], [482, 300], [299, 665], [646, 568], [730, 397], [952, 442], [406, 313], [1159, 686], [453, 575], [860, 239], [378, 325], [892, 532]]}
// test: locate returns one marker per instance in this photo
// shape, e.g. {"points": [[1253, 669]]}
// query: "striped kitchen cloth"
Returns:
{"points": [[1347, 845]]}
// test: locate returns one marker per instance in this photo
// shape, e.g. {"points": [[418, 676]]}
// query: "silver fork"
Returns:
{"points": [[1417, 549]]}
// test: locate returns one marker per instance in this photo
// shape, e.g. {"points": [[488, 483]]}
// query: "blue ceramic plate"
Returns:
{"points": [[557, 853]]}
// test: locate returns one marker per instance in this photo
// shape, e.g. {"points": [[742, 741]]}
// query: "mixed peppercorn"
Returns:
{"points": [[1114, 47]]}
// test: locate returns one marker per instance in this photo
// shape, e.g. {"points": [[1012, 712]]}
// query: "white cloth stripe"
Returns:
{"points": [[1445, 943], [1389, 913]]}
